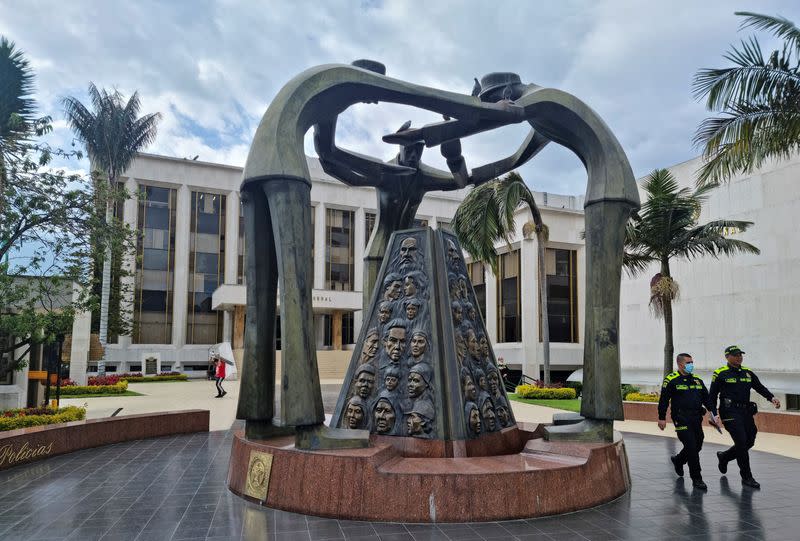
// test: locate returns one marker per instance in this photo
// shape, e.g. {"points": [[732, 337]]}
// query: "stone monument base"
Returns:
{"points": [[401, 482]]}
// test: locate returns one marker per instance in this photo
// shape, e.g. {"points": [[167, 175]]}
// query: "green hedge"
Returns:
{"points": [[149, 379], [119, 388], [531, 391], [642, 397], [63, 415]]}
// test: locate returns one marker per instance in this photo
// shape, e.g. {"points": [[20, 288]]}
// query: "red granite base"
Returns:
{"points": [[381, 484]]}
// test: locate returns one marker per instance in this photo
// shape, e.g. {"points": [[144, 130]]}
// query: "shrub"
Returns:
{"points": [[577, 385], [118, 388], [40, 416], [534, 392], [66, 382], [642, 397], [626, 389]]}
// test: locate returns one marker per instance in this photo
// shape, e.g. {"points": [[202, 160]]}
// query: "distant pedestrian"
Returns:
{"points": [[732, 384], [220, 374], [685, 394]]}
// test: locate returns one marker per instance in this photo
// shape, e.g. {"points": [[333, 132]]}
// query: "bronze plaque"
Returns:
{"points": [[258, 471]]}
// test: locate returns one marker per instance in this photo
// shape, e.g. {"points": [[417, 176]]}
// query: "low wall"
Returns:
{"points": [[767, 421], [37, 443]]}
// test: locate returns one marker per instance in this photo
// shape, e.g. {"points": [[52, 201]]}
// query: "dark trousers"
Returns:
{"points": [[220, 390], [690, 433], [742, 428]]}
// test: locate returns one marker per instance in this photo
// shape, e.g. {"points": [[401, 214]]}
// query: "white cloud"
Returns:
{"points": [[212, 67]]}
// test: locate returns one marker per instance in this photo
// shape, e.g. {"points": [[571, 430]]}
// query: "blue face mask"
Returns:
{"points": [[689, 368]]}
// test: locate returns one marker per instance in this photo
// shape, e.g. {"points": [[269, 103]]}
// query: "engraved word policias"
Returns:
{"points": [[11, 455]]}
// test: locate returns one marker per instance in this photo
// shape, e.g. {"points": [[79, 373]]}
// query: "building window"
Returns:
{"points": [[206, 267], [793, 402], [241, 248], [509, 303], [155, 272], [369, 223], [477, 275], [418, 222], [339, 261], [562, 287], [348, 325]]}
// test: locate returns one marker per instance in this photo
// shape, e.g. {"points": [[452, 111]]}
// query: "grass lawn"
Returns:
{"points": [[569, 405], [126, 393]]}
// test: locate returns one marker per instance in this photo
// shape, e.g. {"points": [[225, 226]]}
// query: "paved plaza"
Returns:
{"points": [[174, 488]]}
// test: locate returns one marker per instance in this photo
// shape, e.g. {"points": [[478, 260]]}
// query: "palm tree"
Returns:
{"points": [[17, 107], [666, 228], [759, 99], [113, 134], [487, 216]]}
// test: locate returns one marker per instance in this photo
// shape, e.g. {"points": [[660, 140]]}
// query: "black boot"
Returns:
{"points": [[750, 482], [722, 464], [678, 466], [699, 484]]}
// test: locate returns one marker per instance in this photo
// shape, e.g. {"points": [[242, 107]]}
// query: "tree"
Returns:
{"points": [[18, 121], [486, 216], [113, 134], [667, 228], [759, 99]]}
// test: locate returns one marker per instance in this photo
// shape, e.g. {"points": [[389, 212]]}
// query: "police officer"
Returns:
{"points": [[688, 395], [732, 384]]}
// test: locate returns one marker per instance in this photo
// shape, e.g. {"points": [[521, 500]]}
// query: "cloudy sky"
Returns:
{"points": [[212, 67]]}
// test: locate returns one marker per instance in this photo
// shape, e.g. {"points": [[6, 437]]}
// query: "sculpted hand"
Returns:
{"points": [[776, 403], [662, 424]]}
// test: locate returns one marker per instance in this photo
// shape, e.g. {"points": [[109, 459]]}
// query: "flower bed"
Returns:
{"points": [[117, 388], [23, 418], [164, 376], [556, 393], [113, 383], [642, 397]]}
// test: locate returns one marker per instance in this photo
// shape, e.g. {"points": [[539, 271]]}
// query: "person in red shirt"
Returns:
{"points": [[220, 376]]}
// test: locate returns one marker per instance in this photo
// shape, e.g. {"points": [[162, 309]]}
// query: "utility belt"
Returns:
{"points": [[745, 407], [689, 412]]}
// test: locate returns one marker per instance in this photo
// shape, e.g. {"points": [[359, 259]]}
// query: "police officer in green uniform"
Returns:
{"points": [[731, 384], [688, 395]]}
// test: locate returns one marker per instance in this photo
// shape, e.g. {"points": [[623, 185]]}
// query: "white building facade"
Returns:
{"points": [[188, 287], [748, 300]]}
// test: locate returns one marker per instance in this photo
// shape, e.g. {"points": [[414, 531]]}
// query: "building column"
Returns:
{"points": [[529, 293], [227, 327], [320, 246], [81, 336], [360, 241], [231, 238], [580, 294], [491, 305], [336, 325], [238, 327], [180, 305], [128, 283]]}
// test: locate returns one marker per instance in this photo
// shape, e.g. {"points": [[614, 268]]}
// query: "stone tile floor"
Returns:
{"points": [[174, 488]]}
